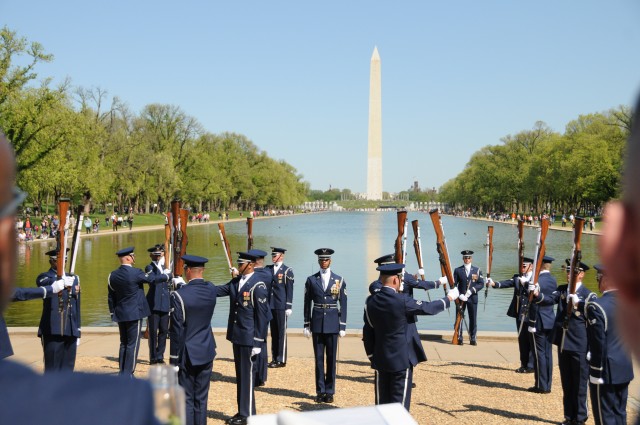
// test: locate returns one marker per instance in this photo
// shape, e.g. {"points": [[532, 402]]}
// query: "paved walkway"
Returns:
{"points": [[493, 347]]}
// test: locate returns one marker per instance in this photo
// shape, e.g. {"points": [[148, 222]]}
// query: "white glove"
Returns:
{"points": [[178, 281], [523, 280], [531, 329], [77, 341], [288, 312], [453, 294], [533, 287], [57, 286], [166, 271], [234, 272], [176, 368], [68, 281], [420, 272], [306, 332], [463, 297], [574, 298], [342, 333], [588, 355], [595, 381], [161, 262], [468, 293], [490, 282], [255, 351], [443, 280]]}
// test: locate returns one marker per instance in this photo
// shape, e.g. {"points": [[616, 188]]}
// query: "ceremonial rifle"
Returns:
{"points": [[180, 217], [75, 241], [417, 246], [520, 246], [399, 249], [537, 267], [249, 233], [225, 246], [167, 240], [576, 257], [489, 261], [61, 250], [445, 265]]}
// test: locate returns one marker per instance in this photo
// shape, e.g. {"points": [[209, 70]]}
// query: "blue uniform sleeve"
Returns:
{"points": [[478, 284], [424, 308], [45, 279], [343, 306], [289, 287], [307, 303], [261, 313], [176, 330], [26, 294], [597, 336], [508, 283], [223, 290], [368, 335], [110, 296]]}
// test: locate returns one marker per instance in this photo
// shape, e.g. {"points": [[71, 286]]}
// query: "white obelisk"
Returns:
{"points": [[374, 158]]}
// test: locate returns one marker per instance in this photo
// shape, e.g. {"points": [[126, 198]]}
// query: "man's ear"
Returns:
{"points": [[619, 248]]}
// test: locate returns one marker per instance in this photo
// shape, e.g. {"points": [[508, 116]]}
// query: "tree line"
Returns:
{"points": [[77, 142], [540, 170]]}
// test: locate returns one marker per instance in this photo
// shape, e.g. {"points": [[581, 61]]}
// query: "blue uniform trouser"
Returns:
{"points": [[196, 380], [278, 336], [542, 358], [130, 333], [325, 379], [524, 345], [59, 352], [574, 375], [158, 332], [473, 323], [609, 403], [245, 373], [394, 387], [261, 365]]}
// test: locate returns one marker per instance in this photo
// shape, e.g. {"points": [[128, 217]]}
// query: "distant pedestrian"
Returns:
{"points": [[87, 224]]}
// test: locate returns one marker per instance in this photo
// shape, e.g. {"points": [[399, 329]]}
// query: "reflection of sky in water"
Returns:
{"points": [[357, 238]]}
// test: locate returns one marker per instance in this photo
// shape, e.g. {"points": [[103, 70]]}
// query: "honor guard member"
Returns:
{"points": [[519, 283], [610, 367], [158, 299], [59, 327], [266, 277], [386, 316], [281, 303], [325, 318], [128, 306], [246, 329], [541, 324], [193, 346], [58, 398], [410, 282], [572, 353], [468, 279]]}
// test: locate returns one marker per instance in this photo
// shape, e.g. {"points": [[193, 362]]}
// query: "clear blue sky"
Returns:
{"points": [[293, 76]]}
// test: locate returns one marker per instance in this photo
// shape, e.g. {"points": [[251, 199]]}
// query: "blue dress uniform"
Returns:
{"points": [[266, 276], [158, 299], [27, 397], [609, 361], [246, 329], [59, 331], [542, 318], [474, 282], [19, 294], [193, 346], [515, 310], [280, 300], [392, 354], [128, 306], [325, 315]]}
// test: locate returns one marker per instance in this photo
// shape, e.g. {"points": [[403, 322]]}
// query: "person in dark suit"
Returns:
{"points": [[281, 304], [468, 279], [59, 330], [266, 276], [158, 299], [519, 283], [541, 325], [610, 366], [246, 329], [128, 306], [325, 319], [193, 346], [387, 314], [25, 396]]}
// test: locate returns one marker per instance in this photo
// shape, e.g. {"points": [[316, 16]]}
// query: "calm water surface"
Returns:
{"points": [[357, 237]]}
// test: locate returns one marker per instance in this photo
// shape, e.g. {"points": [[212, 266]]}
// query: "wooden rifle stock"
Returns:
{"points": [[61, 249], [180, 218], [576, 257], [445, 266], [75, 242], [520, 245], [249, 233], [537, 267], [402, 219], [225, 246], [167, 242], [489, 262]]}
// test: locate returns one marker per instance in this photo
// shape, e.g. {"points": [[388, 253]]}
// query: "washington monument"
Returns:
{"points": [[374, 158]]}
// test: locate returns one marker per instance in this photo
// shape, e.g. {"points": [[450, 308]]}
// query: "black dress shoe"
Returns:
{"points": [[261, 384], [160, 362], [566, 422], [281, 364], [228, 420], [529, 370], [521, 369], [473, 343], [319, 398], [328, 398], [460, 342], [273, 364], [538, 390], [238, 420]]}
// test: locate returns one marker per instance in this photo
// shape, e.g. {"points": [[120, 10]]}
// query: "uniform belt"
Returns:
{"points": [[325, 305]]}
